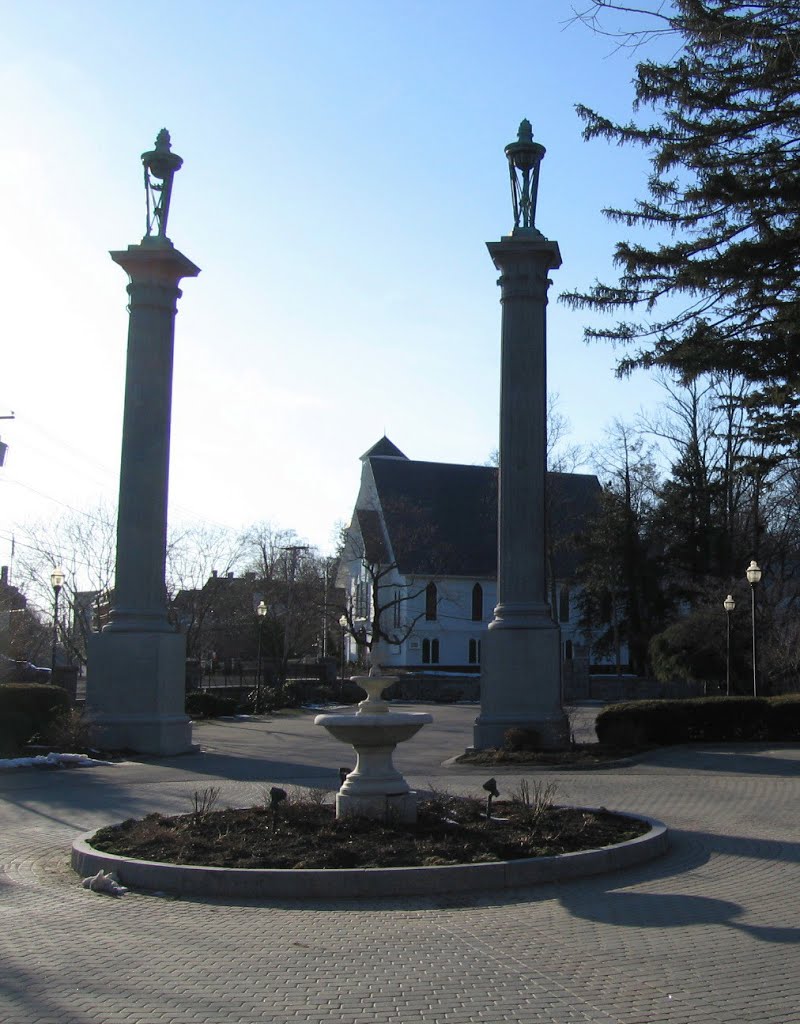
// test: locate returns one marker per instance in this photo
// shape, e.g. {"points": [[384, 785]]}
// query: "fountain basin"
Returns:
{"points": [[375, 788]]}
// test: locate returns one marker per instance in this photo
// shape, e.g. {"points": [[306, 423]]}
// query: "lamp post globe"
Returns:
{"points": [[57, 577], [261, 612], [753, 574], [729, 605]]}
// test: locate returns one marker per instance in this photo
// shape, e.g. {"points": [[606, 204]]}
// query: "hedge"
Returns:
{"points": [[201, 704], [27, 709], [704, 719]]}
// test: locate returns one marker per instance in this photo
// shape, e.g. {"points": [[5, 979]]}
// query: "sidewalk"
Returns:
{"points": [[707, 934]]}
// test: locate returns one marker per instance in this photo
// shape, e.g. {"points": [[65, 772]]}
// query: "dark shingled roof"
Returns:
{"points": [[369, 524], [442, 518]]}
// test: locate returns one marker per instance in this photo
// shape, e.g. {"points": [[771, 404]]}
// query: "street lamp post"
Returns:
{"points": [[344, 624], [728, 604], [753, 577], [261, 611], [57, 577]]}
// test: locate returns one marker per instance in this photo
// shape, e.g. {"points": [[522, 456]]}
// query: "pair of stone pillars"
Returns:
{"points": [[137, 664], [135, 688]]}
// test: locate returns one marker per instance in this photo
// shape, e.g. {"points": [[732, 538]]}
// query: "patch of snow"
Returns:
{"points": [[104, 882], [51, 760]]}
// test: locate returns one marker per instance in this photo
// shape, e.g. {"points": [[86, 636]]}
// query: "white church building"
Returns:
{"points": [[421, 555]]}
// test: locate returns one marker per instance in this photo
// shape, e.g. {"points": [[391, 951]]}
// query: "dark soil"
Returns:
{"points": [[306, 834], [580, 755]]}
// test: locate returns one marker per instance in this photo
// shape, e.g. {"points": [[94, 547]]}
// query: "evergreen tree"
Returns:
{"points": [[619, 575], [719, 288]]}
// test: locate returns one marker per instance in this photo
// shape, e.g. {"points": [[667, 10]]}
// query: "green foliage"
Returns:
{"points": [[709, 719], [693, 648], [202, 704], [722, 202], [25, 710]]}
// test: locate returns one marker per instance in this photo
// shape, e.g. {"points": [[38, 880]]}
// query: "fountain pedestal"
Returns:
{"points": [[375, 788]]}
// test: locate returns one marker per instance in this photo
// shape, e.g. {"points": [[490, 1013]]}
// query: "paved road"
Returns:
{"points": [[707, 934]]}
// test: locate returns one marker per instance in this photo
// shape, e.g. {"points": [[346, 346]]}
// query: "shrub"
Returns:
{"points": [[519, 738], [27, 709], [68, 732], [710, 719], [291, 695], [783, 717], [643, 722], [201, 704], [718, 719]]}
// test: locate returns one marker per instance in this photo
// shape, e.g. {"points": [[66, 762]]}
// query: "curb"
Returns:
{"points": [[350, 883]]}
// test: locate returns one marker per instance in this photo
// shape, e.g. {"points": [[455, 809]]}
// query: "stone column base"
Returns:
{"points": [[135, 692], [521, 687]]}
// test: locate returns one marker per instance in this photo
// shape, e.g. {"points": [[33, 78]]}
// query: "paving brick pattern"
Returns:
{"points": [[707, 934]]}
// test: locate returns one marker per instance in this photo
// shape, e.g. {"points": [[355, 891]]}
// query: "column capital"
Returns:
{"points": [[154, 261], [513, 249]]}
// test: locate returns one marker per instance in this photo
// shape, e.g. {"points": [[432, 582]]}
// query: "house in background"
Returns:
{"points": [[425, 535]]}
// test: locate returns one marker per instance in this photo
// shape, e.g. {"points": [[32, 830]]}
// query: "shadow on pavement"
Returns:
{"points": [[600, 900], [737, 759]]}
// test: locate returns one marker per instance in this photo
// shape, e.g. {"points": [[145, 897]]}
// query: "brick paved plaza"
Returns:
{"points": [[707, 934]]}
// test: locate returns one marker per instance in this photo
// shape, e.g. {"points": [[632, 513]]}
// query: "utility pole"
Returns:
{"points": [[3, 446]]}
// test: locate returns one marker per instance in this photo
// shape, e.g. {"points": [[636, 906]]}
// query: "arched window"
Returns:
{"points": [[477, 603], [568, 650], [426, 652], [431, 601], [434, 652], [474, 652]]}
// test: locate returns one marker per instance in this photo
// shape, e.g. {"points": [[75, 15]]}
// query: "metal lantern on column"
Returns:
{"points": [[160, 165], [524, 158]]}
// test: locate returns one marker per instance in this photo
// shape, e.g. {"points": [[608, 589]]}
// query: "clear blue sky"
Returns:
{"points": [[343, 169]]}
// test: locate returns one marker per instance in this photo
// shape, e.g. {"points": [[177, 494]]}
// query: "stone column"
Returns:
{"points": [[521, 653], [136, 672]]}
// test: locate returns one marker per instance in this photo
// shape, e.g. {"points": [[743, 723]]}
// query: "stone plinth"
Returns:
{"points": [[136, 690]]}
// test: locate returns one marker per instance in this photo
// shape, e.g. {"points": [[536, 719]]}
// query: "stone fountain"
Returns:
{"points": [[375, 788]]}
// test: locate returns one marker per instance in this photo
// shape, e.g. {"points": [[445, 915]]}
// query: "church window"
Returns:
{"points": [[431, 602], [477, 603]]}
